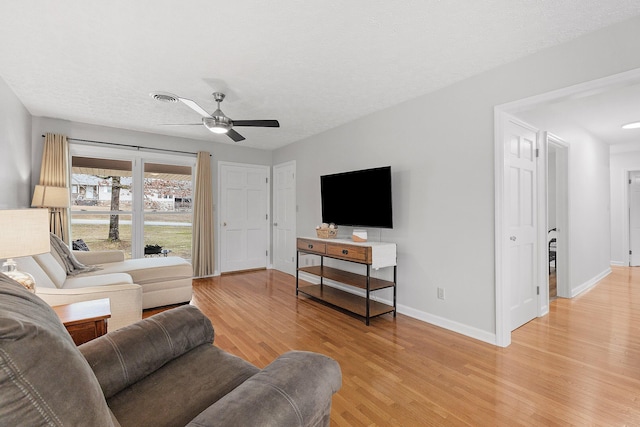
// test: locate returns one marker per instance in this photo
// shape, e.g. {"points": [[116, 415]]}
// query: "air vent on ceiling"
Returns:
{"points": [[164, 97]]}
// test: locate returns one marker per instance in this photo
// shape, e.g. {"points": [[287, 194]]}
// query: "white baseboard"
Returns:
{"points": [[450, 325], [619, 264], [590, 283], [423, 316]]}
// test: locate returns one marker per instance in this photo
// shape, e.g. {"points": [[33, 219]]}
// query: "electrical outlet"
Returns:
{"points": [[441, 293]]}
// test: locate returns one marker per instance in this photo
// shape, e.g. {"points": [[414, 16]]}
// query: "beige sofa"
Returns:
{"points": [[164, 280], [131, 285]]}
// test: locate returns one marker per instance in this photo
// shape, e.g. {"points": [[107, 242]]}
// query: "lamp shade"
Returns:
{"points": [[46, 196], [24, 232]]}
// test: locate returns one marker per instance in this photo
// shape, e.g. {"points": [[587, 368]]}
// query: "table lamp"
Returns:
{"points": [[24, 233], [54, 198]]}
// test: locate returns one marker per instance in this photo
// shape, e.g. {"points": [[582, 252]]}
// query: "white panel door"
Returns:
{"points": [[520, 181], [284, 217], [244, 219], [634, 219]]}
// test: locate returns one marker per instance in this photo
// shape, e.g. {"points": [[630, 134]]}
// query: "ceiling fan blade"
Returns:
{"points": [[235, 135], [194, 106], [257, 123]]}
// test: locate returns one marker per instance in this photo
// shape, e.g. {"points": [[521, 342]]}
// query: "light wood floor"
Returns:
{"points": [[579, 365]]}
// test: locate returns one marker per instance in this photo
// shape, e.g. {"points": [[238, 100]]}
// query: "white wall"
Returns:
{"points": [[440, 147], [15, 146]]}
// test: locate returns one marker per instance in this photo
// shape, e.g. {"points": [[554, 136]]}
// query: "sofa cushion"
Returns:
{"points": [[99, 257], [85, 281], [150, 270], [180, 390], [52, 267], [44, 379], [129, 354], [30, 265]]}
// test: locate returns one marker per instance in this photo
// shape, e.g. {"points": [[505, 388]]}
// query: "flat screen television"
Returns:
{"points": [[359, 198]]}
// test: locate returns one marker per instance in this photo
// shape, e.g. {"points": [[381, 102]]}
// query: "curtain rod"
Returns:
{"points": [[137, 147]]}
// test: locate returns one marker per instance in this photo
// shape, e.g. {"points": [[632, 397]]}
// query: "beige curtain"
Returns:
{"points": [[202, 242], [55, 170]]}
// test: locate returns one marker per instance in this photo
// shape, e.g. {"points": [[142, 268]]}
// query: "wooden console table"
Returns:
{"points": [[371, 254], [85, 320]]}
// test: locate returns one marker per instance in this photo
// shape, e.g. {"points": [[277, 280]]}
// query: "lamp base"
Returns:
{"points": [[9, 268]]}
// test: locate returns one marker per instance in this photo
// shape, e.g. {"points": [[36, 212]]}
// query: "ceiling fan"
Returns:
{"points": [[216, 122]]}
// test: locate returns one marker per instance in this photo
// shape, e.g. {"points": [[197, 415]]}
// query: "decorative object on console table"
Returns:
{"points": [[24, 233], [359, 236], [55, 199], [327, 231], [374, 255], [85, 320]]}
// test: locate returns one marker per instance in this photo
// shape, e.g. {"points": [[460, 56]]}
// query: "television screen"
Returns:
{"points": [[359, 198]]}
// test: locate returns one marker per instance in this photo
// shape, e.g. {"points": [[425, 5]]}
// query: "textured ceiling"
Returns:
{"points": [[311, 65], [602, 113]]}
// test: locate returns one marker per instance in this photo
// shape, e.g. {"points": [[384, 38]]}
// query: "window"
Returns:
{"points": [[101, 216], [167, 215], [140, 204]]}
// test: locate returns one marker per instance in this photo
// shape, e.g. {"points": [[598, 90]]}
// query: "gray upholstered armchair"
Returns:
{"points": [[161, 371]]}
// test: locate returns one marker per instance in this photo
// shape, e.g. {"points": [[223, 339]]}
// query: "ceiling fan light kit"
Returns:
{"points": [[634, 125], [215, 125], [217, 122]]}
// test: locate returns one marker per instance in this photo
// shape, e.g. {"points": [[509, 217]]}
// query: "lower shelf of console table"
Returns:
{"points": [[346, 300], [357, 253]]}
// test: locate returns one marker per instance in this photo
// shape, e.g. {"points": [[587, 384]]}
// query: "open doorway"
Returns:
{"points": [[564, 111], [552, 228], [557, 230], [634, 218]]}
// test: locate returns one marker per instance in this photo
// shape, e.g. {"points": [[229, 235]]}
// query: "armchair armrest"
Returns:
{"points": [[294, 390], [127, 355], [98, 257], [125, 300]]}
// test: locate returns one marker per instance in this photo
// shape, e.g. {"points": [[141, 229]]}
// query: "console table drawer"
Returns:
{"points": [[312, 246], [351, 253]]}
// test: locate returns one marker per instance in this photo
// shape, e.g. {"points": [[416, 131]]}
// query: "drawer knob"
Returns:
{"points": [[310, 246], [345, 252]]}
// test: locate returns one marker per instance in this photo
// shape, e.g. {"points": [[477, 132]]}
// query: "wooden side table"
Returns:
{"points": [[85, 320]]}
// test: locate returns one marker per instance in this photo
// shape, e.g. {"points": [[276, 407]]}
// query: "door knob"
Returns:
{"points": [[512, 238], [224, 224], [275, 224]]}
